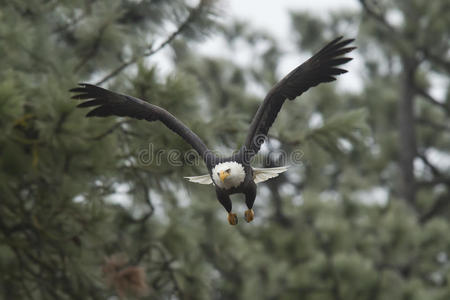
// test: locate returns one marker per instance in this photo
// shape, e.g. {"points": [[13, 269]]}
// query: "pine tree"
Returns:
{"points": [[58, 223], [98, 208]]}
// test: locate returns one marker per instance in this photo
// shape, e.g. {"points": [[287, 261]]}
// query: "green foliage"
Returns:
{"points": [[84, 216], [346, 127]]}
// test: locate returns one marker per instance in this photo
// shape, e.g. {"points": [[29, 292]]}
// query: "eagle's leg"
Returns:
{"points": [[250, 195], [225, 200]]}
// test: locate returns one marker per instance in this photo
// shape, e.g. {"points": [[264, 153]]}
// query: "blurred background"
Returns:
{"points": [[364, 214]]}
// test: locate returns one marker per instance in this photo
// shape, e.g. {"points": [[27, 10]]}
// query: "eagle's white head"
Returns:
{"points": [[228, 174]]}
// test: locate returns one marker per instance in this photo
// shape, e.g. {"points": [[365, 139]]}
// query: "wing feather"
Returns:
{"points": [[108, 103], [321, 67], [202, 179], [263, 174]]}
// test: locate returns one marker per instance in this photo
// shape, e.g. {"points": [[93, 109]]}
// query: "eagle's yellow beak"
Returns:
{"points": [[223, 175]]}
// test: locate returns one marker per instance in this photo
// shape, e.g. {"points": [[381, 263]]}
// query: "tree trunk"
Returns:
{"points": [[407, 135]]}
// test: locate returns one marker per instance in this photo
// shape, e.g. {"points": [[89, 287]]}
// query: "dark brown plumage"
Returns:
{"points": [[322, 67], [108, 103]]}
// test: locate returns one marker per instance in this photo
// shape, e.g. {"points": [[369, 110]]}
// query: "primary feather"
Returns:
{"points": [[321, 67], [107, 103]]}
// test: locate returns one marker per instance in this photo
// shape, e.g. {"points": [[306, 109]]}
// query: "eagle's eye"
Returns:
{"points": [[228, 170]]}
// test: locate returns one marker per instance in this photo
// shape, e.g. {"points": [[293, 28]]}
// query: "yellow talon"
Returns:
{"points": [[249, 215], [232, 219]]}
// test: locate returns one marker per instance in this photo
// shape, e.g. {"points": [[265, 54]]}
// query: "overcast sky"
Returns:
{"points": [[273, 16]]}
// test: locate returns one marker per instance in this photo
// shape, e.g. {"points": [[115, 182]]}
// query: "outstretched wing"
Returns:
{"points": [[108, 103], [263, 174], [202, 179], [322, 67]]}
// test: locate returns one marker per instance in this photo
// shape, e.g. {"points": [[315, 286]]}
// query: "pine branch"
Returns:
{"points": [[167, 267], [146, 191], [39, 60], [193, 14], [378, 17], [442, 202], [426, 52], [93, 50], [437, 59], [343, 126], [431, 99], [273, 185], [441, 127], [433, 169], [70, 23], [439, 205], [434, 182], [110, 130]]}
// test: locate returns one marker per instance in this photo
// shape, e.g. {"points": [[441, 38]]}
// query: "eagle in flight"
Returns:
{"points": [[234, 174]]}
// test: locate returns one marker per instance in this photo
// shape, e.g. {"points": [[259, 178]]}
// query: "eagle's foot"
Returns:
{"points": [[232, 219], [249, 215]]}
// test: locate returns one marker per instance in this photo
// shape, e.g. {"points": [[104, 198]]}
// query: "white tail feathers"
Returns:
{"points": [[263, 174]]}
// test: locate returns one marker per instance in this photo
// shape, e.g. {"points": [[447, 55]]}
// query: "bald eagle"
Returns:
{"points": [[234, 174]]}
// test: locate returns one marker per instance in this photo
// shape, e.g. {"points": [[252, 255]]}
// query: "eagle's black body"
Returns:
{"points": [[248, 187], [322, 67]]}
